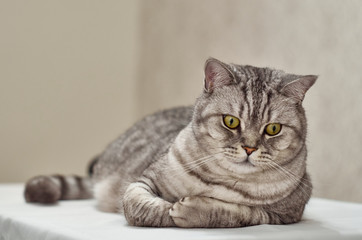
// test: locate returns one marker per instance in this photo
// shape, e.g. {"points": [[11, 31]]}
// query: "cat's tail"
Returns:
{"points": [[50, 189]]}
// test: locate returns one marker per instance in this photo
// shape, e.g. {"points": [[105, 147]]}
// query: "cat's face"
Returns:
{"points": [[250, 123]]}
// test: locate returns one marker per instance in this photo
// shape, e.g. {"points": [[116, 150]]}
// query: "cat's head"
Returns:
{"points": [[251, 118]]}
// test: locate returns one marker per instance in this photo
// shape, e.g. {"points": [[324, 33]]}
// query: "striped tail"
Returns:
{"points": [[50, 189]]}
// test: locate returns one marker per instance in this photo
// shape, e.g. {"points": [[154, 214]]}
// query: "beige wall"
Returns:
{"points": [[74, 74], [67, 82]]}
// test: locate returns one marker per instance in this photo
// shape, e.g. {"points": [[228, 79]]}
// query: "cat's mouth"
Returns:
{"points": [[245, 162]]}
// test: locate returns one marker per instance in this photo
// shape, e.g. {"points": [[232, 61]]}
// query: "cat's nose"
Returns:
{"points": [[249, 150]]}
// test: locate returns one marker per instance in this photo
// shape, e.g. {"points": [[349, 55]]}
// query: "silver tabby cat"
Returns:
{"points": [[236, 158]]}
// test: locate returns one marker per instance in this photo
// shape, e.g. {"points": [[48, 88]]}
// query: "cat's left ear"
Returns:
{"points": [[297, 87], [217, 74]]}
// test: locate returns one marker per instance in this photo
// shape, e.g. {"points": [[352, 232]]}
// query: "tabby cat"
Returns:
{"points": [[236, 158]]}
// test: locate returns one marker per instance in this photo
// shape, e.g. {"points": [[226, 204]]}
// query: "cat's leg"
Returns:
{"points": [[208, 212], [107, 192], [142, 206]]}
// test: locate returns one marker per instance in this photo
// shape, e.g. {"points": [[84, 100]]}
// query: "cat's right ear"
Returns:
{"points": [[216, 75]]}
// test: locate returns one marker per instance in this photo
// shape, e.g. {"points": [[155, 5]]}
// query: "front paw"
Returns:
{"points": [[189, 212]]}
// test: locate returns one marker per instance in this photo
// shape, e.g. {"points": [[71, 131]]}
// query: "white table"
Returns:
{"points": [[323, 219]]}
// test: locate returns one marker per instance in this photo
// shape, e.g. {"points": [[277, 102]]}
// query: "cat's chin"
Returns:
{"points": [[241, 166], [245, 163]]}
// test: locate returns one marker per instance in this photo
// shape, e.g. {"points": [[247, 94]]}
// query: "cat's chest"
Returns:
{"points": [[239, 192], [192, 184], [248, 193]]}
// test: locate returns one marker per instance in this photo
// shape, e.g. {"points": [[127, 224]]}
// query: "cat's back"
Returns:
{"points": [[133, 151]]}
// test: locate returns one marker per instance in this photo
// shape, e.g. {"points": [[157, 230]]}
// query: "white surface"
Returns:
{"points": [[323, 219]]}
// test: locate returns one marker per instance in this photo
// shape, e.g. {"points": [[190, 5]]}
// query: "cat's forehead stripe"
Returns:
{"points": [[256, 92]]}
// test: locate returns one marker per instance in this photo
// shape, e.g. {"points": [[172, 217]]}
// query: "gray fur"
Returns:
{"points": [[183, 167]]}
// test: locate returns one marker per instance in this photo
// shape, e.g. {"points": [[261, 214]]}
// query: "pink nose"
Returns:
{"points": [[249, 150]]}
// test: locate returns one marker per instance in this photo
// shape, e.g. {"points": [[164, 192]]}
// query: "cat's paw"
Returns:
{"points": [[189, 212], [42, 189]]}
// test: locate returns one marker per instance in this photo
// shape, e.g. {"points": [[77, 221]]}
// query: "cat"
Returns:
{"points": [[236, 158]]}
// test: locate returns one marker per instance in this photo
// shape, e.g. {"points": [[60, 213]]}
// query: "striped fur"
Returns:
{"points": [[50, 189], [183, 167]]}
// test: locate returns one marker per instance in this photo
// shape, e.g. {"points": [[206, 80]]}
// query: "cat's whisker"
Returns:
{"points": [[290, 175], [227, 154], [188, 167], [285, 171], [280, 171], [199, 162], [195, 166], [263, 162], [230, 157], [200, 159]]}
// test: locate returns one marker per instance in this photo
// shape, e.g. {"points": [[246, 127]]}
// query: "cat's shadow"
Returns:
{"points": [[305, 229]]}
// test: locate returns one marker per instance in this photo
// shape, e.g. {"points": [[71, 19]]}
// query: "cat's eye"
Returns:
{"points": [[231, 121], [273, 129]]}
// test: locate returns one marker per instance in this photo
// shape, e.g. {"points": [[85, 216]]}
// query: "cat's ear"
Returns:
{"points": [[217, 74], [296, 87]]}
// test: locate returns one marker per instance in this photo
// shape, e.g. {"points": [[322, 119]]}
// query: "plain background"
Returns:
{"points": [[75, 74]]}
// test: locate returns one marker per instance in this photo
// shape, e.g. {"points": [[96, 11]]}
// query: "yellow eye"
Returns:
{"points": [[273, 129], [231, 122]]}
